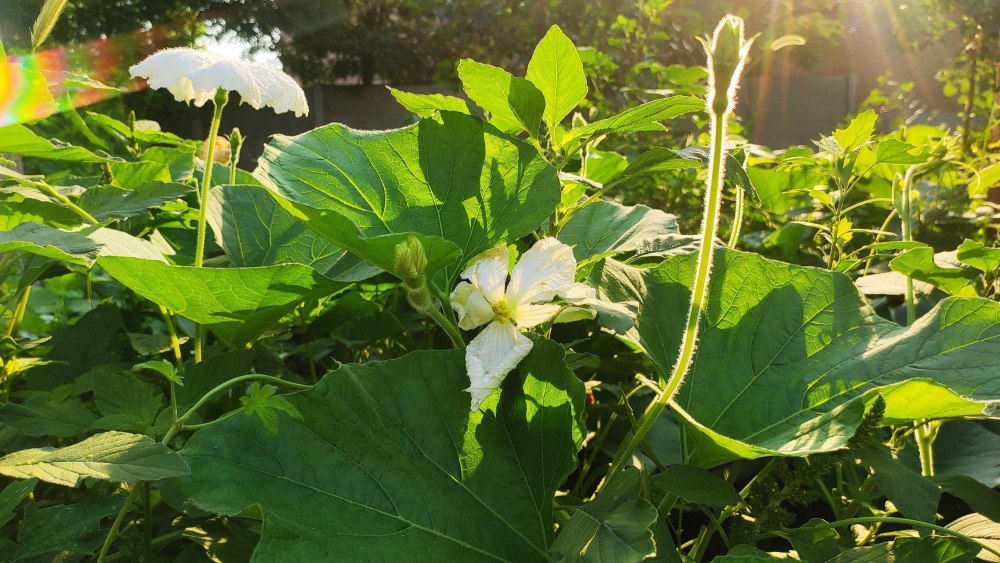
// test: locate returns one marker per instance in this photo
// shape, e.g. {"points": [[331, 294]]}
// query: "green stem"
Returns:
{"points": [[221, 97], [734, 235], [18, 313], [699, 293], [447, 325], [53, 193], [896, 520], [925, 447], [117, 524], [906, 217]]}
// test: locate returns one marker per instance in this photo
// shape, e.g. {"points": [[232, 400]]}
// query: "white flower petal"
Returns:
{"points": [[527, 316], [471, 306], [545, 270], [491, 355], [488, 272], [578, 292], [194, 75], [170, 69]]}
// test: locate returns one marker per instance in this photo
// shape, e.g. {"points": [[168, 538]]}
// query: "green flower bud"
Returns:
{"points": [[410, 260], [409, 263], [727, 51]]}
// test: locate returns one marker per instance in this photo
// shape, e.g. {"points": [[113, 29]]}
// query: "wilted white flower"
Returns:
{"points": [[194, 75], [543, 273]]}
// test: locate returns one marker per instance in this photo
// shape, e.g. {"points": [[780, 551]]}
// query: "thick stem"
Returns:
{"points": [[925, 446], [221, 97]]}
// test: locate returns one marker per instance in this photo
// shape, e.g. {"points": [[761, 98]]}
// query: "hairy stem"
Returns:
{"points": [[727, 54]]}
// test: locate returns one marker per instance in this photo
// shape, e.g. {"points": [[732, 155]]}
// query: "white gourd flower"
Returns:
{"points": [[544, 272], [195, 75]]}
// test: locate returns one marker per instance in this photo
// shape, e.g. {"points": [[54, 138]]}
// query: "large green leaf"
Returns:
{"points": [[238, 304], [387, 458], [605, 226], [111, 456], [254, 230], [556, 70], [789, 355], [50, 242], [514, 103], [455, 182]]}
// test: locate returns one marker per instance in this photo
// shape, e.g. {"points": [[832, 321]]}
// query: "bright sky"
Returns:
{"points": [[232, 46]]}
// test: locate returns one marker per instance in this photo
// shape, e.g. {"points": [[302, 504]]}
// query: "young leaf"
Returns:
{"points": [[894, 151], [556, 70], [606, 226], [426, 105], [162, 367], [645, 117], [858, 132], [111, 456], [514, 103], [264, 404]]}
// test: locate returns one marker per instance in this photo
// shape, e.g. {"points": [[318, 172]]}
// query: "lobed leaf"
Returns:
{"points": [[387, 458]]}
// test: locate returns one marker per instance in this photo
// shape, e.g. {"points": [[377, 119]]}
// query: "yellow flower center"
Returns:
{"points": [[501, 311]]}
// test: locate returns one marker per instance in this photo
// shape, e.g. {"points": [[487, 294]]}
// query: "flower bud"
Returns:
{"points": [[410, 260], [727, 51], [409, 263]]}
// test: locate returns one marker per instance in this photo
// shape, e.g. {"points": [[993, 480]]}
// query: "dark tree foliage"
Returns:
{"points": [[138, 22]]}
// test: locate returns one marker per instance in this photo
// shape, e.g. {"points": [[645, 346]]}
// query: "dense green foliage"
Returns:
{"points": [[302, 395]]}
